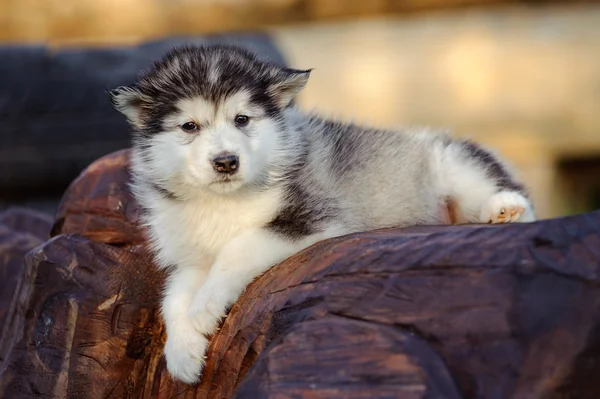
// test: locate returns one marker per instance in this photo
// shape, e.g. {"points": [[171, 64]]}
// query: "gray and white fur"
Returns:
{"points": [[233, 179]]}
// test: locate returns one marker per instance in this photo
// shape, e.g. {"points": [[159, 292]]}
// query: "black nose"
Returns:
{"points": [[226, 164]]}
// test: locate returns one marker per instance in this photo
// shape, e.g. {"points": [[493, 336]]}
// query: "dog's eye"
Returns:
{"points": [[189, 127], [241, 120]]}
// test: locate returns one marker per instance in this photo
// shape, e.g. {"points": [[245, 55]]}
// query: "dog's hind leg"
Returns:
{"points": [[480, 186]]}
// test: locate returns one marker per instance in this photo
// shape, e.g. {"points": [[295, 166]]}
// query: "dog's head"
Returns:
{"points": [[209, 118]]}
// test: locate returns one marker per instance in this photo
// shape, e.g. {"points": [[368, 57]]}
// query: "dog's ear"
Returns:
{"points": [[129, 101], [286, 84]]}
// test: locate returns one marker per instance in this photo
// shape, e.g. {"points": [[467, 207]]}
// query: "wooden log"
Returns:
{"points": [[456, 311], [99, 206], [20, 231]]}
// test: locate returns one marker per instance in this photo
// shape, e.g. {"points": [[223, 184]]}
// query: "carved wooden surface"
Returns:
{"points": [[20, 231], [99, 205], [452, 312]]}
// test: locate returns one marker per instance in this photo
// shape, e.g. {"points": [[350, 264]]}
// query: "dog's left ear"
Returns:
{"points": [[129, 101], [286, 84]]}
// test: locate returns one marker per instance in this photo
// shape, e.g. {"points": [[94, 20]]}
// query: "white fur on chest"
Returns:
{"points": [[191, 233]]}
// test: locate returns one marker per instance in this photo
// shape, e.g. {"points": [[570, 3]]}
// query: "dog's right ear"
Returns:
{"points": [[129, 101], [286, 83]]}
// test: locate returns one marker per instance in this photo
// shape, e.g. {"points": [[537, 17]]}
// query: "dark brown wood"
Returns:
{"points": [[99, 205], [27, 221], [424, 312], [513, 310], [20, 231]]}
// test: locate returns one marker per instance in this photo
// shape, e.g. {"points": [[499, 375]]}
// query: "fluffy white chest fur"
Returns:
{"points": [[191, 233], [219, 244]]}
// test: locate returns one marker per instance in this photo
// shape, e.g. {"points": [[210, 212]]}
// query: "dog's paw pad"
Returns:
{"points": [[507, 215], [506, 207]]}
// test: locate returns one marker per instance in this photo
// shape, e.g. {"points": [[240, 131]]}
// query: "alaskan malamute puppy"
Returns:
{"points": [[233, 179]]}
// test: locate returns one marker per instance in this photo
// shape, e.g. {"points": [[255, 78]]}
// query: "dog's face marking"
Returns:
{"points": [[207, 118], [189, 157]]}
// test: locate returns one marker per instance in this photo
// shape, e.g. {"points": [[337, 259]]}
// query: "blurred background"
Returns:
{"points": [[520, 76]]}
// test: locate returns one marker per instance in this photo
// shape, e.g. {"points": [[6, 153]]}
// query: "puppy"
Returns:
{"points": [[233, 179]]}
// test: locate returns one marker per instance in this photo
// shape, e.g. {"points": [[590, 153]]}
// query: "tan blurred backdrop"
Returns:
{"points": [[522, 79]]}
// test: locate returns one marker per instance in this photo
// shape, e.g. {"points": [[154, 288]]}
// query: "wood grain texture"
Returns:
{"points": [[20, 231], [422, 312], [98, 204]]}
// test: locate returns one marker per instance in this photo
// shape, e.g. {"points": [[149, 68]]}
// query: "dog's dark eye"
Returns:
{"points": [[241, 120], [189, 127]]}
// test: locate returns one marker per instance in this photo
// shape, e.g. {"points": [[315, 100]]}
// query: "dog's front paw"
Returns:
{"points": [[506, 207], [208, 309], [185, 353]]}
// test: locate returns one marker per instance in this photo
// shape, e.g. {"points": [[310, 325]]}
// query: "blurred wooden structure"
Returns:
{"points": [[98, 21], [454, 312]]}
